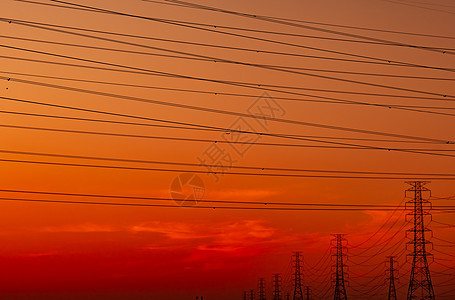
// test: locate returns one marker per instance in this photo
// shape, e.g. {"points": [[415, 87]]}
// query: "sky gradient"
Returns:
{"points": [[76, 251]]}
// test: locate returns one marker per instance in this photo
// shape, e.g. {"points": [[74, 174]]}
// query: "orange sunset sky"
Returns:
{"points": [[340, 82]]}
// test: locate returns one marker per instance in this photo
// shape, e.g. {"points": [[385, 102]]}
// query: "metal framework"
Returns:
{"points": [[339, 267], [261, 289], [391, 272], [276, 286], [420, 286], [307, 293], [298, 276]]}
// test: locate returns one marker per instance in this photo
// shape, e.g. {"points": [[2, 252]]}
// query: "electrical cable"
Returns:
{"points": [[288, 23], [225, 112], [198, 57], [213, 92], [179, 125], [186, 24], [221, 60]]}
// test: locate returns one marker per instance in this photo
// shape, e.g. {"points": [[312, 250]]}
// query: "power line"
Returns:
{"points": [[442, 223], [438, 152], [339, 25], [443, 198], [288, 23], [216, 60], [370, 29], [258, 50], [185, 24], [256, 17], [430, 3], [213, 92], [226, 131], [381, 242], [256, 168], [307, 22], [379, 229], [230, 83], [212, 172], [158, 73], [420, 6], [442, 240], [179, 125], [235, 62], [174, 138], [126, 204], [256, 87], [410, 108], [424, 47], [91, 195], [225, 112]]}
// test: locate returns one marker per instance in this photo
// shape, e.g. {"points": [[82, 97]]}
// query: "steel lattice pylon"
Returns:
{"points": [[339, 267], [298, 276], [261, 289], [420, 286], [391, 277], [307, 293], [277, 287]]}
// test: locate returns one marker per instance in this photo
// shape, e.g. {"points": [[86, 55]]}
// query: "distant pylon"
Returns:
{"points": [[261, 289], [391, 277], [277, 287], [251, 294], [307, 293], [298, 276], [420, 286], [339, 267], [245, 295]]}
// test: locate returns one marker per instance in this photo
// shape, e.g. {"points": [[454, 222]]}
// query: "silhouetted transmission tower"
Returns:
{"points": [[307, 293], [339, 267], [298, 276], [420, 286], [391, 277], [276, 287], [261, 289]]}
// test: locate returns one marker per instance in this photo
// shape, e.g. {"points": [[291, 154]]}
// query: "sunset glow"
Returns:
{"points": [[172, 149]]}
